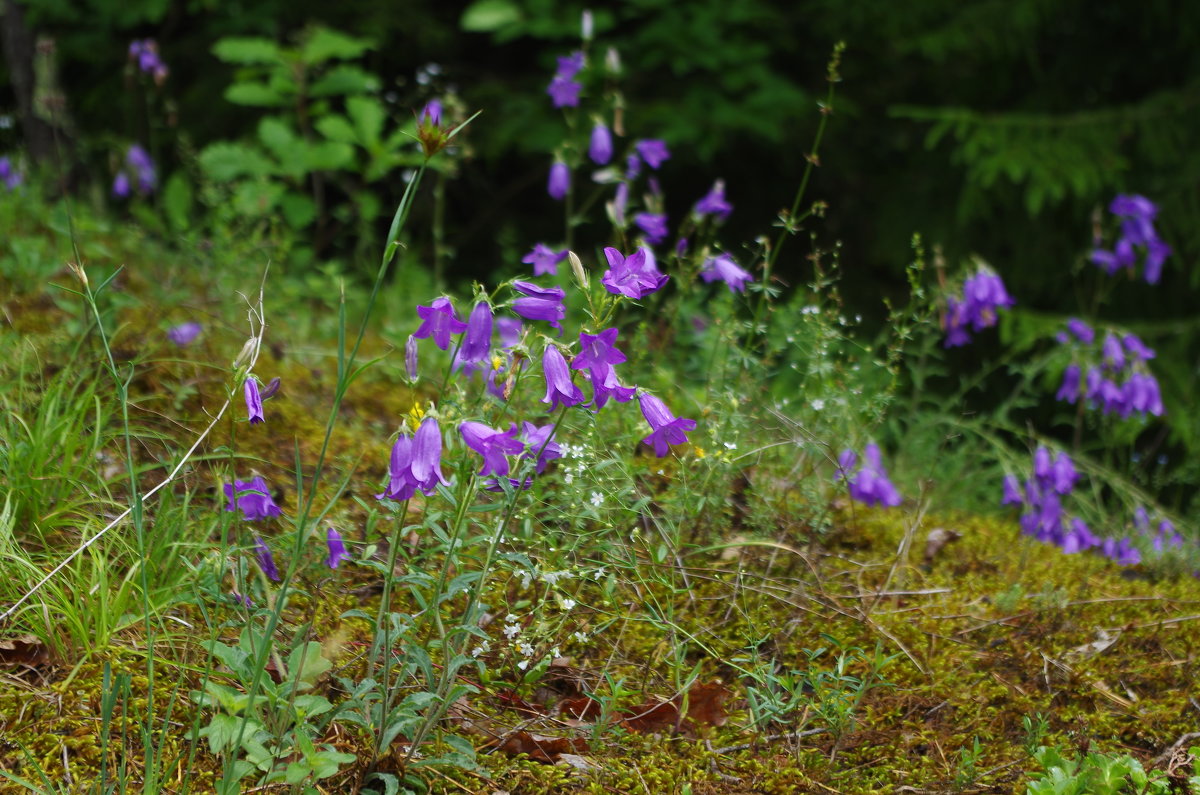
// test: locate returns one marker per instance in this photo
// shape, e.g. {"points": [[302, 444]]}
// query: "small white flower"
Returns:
{"points": [[568, 478], [568, 604], [597, 499], [817, 404], [526, 578], [730, 446], [480, 649], [511, 631], [580, 636], [523, 664], [599, 573], [525, 648], [811, 309]]}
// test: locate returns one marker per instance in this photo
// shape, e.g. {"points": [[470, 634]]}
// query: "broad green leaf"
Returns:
{"points": [[326, 156], [225, 162], [368, 115], [279, 139], [248, 51], [259, 95], [485, 16], [258, 198], [342, 80], [298, 210], [337, 128], [178, 200], [324, 44]]}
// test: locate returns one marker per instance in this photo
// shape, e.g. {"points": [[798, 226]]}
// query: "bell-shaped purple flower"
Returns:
{"points": [[1012, 492], [724, 268], [540, 303], [600, 147], [495, 446], [252, 498], [1069, 391], [653, 227], [184, 333], [416, 463], [254, 406], [120, 187], [539, 442], [713, 203], [544, 259], [477, 343], [598, 351], [559, 182], [337, 548], [634, 276], [266, 561], [439, 321], [666, 429], [869, 484], [559, 389], [564, 92], [652, 151]]}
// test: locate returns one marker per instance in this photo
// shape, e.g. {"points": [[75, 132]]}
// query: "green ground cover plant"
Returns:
{"points": [[635, 514]]}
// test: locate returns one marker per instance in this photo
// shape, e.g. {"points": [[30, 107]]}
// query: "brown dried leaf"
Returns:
{"points": [[938, 537], [579, 708], [654, 716], [540, 748], [706, 704], [24, 650]]}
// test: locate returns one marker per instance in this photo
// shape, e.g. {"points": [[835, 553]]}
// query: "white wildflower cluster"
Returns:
{"points": [[573, 461], [483, 648]]}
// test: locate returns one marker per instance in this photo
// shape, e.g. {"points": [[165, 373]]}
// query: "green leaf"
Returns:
{"points": [[324, 44], [306, 665], [326, 156], [342, 80], [177, 201], [337, 128], [221, 732], [225, 162], [256, 199], [298, 210], [248, 51], [485, 16], [368, 115], [280, 140], [258, 95]]}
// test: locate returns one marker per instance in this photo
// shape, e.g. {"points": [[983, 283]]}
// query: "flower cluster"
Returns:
{"points": [[1137, 232], [416, 463], [252, 498], [144, 53], [564, 89], [982, 294], [144, 176], [634, 276], [1112, 376], [10, 175], [1043, 516], [869, 484]]}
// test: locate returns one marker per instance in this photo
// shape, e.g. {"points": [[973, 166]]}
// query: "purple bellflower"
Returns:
{"points": [[869, 484], [724, 268], [665, 428], [598, 353], [564, 92], [254, 406], [416, 463], [138, 159], [600, 147], [252, 498], [634, 276], [540, 303], [559, 182], [266, 561], [653, 152], [494, 446], [544, 259], [713, 203], [653, 227], [439, 321], [539, 442], [983, 294], [477, 343], [10, 175], [559, 389], [337, 548], [120, 187], [1137, 215], [184, 333]]}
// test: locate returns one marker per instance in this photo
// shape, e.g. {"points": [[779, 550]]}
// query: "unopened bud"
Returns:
{"points": [[612, 61], [410, 358], [246, 354], [577, 268], [587, 25], [79, 272], [270, 389]]}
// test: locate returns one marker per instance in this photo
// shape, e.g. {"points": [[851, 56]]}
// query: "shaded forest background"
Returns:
{"points": [[993, 127]]}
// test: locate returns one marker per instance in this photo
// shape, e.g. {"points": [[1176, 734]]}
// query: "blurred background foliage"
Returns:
{"points": [[992, 127]]}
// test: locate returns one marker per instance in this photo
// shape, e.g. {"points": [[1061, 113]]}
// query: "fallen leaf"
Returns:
{"points": [[538, 747], [579, 708], [24, 650], [938, 537], [653, 716], [706, 704]]}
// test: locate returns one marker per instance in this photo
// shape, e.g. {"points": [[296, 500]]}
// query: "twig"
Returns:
{"points": [[1175, 747], [729, 749]]}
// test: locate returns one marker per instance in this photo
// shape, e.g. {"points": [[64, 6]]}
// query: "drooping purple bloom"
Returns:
{"points": [[337, 548], [144, 52], [539, 442], [633, 166], [416, 463], [1069, 391], [1138, 349], [653, 226], [1012, 492], [10, 175], [439, 321], [564, 92], [477, 343], [665, 428], [254, 406], [559, 182], [653, 151], [540, 303], [569, 65], [605, 385], [1156, 253], [598, 353], [1082, 331], [634, 276], [184, 333], [139, 160], [600, 147], [1122, 552], [120, 187], [266, 561], [493, 445], [544, 259], [1137, 215], [252, 498], [955, 323], [983, 294], [713, 203], [1114, 353], [559, 388], [616, 207], [724, 268], [870, 484]]}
